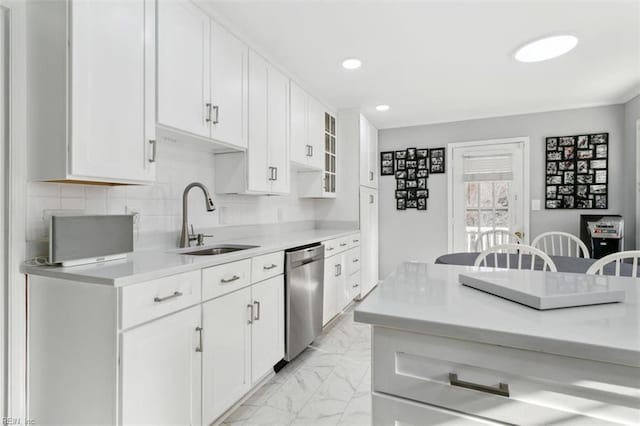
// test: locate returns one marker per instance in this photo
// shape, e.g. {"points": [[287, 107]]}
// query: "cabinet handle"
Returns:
{"points": [[356, 241], [257, 317], [267, 268], [338, 270], [329, 248], [356, 260], [371, 199], [216, 108], [271, 173], [370, 175], [208, 107], [164, 299], [310, 150], [502, 389], [275, 169], [199, 330], [250, 306], [230, 280], [355, 285], [153, 151], [343, 244]]}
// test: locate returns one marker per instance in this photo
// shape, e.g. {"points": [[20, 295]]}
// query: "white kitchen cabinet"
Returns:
{"points": [[307, 129], [92, 112], [368, 154], [161, 371], [267, 329], [226, 353], [369, 239], [202, 77], [264, 167], [323, 184], [331, 285]]}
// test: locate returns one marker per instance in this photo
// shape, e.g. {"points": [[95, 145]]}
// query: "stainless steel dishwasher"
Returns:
{"points": [[304, 289]]}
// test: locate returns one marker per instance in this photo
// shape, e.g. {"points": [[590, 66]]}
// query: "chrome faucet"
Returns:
{"points": [[185, 236]]}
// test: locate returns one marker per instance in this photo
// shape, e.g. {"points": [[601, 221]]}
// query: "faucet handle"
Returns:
{"points": [[201, 237]]}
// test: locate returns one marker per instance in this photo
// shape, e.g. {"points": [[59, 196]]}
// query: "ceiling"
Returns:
{"points": [[440, 61]]}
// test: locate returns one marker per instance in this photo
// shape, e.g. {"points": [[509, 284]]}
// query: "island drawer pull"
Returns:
{"points": [[502, 389], [273, 265], [230, 280], [164, 299]]}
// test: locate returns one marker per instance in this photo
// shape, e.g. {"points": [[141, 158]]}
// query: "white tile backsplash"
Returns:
{"points": [[160, 205]]}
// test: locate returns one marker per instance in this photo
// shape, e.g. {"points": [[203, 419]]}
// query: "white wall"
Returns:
{"points": [[160, 205], [631, 116], [413, 235]]}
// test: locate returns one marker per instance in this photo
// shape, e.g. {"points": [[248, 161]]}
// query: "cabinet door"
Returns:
{"points": [[368, 239], [365, 176], [278, 127], [373, 156], [109, 109], [330, 294], [267, 333], [259, 175], [342, 285], [226, 352], [298, 124], [183, 67], [161, 371], [229, 62], [316, 133]]}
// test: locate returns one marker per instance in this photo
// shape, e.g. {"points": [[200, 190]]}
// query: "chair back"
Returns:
{"points": [[495, 237], [503, 257], [561, 244], [598, 267]]}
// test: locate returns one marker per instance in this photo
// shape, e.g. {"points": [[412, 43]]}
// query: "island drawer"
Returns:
{"points": [[223, 279], [267, 266], [537, 388], [145, 301]]}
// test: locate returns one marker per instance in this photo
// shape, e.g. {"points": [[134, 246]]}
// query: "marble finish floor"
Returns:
{"points": [[328, 384]]}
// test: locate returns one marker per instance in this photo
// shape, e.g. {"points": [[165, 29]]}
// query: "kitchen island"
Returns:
{"points": [[443, 352]]}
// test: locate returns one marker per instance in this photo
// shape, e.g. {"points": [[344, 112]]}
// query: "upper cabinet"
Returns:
{"points": [[202, 76], [368, 154], [91, 111], [307, 129], [264, 168]]}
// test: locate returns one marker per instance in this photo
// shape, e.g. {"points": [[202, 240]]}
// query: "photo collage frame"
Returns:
{"points": [[411, 168], [577, 171]]}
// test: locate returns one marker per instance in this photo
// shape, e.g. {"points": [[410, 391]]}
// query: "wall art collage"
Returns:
{"points": [[577, 172], [411, 168]]}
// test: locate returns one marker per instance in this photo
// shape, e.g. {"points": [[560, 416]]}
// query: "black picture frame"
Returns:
{"points": [[387, 163], [412, 170], [437, 162], [576, 171]]}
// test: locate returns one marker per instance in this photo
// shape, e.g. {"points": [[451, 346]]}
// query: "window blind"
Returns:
{"points": [[487, 168]]}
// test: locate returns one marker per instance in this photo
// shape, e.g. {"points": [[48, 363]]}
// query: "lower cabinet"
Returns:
{"points": [[341, 279], [332, 286], [161, 371]]}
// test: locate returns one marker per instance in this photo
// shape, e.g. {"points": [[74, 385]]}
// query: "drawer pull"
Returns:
{"points": [[356, 260], [230, 280], [267, 268], [164, 299], [355, 285], [502, 389], [343, 244], [356, 241], [250, 306], [329, 248], [257, 304]]}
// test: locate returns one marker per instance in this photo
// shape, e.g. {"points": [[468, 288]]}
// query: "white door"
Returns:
{"points": [[229, 63], [226, 353], [487, 190], [258, 171], [110, 100], [161, 371], [329, 298], [638, 185], [183, 67], [267, 332], [368, 239], [298, 124], [316, 133], [278, 127]]}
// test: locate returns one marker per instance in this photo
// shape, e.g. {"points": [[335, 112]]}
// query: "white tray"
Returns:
{"points": [[545, 290]]}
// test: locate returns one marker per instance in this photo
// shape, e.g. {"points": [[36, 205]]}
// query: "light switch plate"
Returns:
{"points": [[535, 204]]}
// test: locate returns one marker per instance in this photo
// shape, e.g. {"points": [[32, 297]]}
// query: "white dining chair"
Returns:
{"points": [[561, 244], [618, 258], [495, 237], [518, 249]]}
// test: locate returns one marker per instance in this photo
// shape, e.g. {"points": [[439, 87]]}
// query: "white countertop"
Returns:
{"points": [[428, 299], [149, 265]]}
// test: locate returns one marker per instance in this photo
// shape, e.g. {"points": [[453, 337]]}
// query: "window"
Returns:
{"points": [[486, 208]]}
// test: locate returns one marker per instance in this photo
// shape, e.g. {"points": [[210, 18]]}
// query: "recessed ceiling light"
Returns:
{"points": [[382, 107], [546, 48], [352, 63]]}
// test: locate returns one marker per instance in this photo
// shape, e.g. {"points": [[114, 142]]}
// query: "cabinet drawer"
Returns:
{"points": [[352, 260], [331, 247], [390, 411], [339, 245], [153, 299], [267, 266], [354, 240], [536, 388], [226, 278], [353, 286]]}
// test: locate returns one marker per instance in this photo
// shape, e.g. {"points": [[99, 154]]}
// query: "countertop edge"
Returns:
{"points": [[495, 337], [136, 278]]}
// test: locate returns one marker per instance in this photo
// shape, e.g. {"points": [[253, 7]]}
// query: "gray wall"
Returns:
{"points": [[631, 115], [413, 235]]}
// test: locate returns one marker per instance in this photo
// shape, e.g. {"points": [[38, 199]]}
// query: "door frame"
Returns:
{"points": [[637, 188], [4, 190], [525, 140]]}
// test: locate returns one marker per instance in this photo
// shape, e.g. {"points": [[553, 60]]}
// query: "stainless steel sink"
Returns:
{"points": [[215, 250]]}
